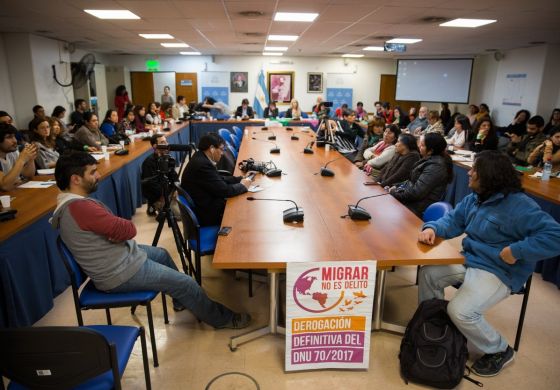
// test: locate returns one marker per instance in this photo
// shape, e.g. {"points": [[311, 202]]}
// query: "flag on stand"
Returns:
{"points": [[261, 96]]}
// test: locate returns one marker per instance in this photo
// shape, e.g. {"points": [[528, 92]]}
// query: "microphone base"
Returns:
{"points": [[293, 215], [358, 213], [320, 144], [326, 172], [294, 138], [308, 151], [275, 150], [272, 138]]}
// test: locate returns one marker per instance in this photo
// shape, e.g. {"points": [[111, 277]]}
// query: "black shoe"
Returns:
{"points": [[492, 364], [238, 321], [151, 210], [178, 307]]}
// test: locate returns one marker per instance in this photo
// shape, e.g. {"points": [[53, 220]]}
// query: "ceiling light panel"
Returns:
{"points": [[295, 17], [409, 41], [112, 13], [352, 55], [374, 48], [287, 38], [172, 44], [189, 53], [468, 23], [157, 36], [272, 53], [276, 48]]}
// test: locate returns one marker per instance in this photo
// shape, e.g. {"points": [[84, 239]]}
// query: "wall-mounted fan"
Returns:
{"points": [[80, 71]]}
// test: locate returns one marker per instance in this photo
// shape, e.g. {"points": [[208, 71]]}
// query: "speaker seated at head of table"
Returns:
{"points": [[205, 185], [245, 111], [294, 112], [429, 177]]}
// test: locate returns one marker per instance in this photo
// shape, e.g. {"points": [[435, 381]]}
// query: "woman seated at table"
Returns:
{"points": [[518, 126], [47, 156], [400, 118], [486, 138], [434, 125], [294, 111], [110, 128], [382, 152], [140, 119], [153, 117], [374, 134], [458, 135], [127, 124], [549, 150], [398, 169], [89, 135], [62, 143], [271, 111], [429, 177], [245, 111]]}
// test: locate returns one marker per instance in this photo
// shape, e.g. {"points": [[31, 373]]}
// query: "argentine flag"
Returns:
{"points": [[261, 96]]}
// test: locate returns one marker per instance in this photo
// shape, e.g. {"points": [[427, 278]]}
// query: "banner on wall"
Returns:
{"points": [[261, 96], [221, 94], [328, 314], [515, 89], [339, 96]]}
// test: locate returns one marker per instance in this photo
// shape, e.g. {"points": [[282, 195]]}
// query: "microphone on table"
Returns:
{"points": [[270, 137], [309, 148], [356, 212], [328, 172], [291, 215], [275, 149]]}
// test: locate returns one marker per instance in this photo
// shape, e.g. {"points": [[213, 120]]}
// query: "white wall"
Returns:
{"points": [[365, 83], [6, 98], [550, 88], [45, 53]]}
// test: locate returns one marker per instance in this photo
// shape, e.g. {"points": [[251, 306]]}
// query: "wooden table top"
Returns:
{"points": [[260, 239], [33, 203]]}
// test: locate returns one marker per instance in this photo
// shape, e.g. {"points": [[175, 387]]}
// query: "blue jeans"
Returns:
{"points": [[480, 290], [159, 273]]}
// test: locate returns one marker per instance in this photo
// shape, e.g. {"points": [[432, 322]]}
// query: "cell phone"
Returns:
{"points": [[370, 183], [224, 231], [251, 176]]}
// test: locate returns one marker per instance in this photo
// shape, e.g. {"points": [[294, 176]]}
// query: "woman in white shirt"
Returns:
{"points": [[383, 151], [458, 135]]}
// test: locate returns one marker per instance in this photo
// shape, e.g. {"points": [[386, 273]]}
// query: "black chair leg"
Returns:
{"points": [[522, 314], [108, 313], [145, 358], [250, 275], [417, 273], [164, 302], [198, 271], [152, 333]]}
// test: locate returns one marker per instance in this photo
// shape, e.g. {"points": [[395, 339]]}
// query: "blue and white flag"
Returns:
{"points": [[261, 96]]}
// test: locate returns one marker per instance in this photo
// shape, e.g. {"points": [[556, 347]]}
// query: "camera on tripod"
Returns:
{"points": [[252, 165]]}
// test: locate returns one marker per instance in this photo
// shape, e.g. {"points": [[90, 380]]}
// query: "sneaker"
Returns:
{"points": [[492, 364], [238, 321]]}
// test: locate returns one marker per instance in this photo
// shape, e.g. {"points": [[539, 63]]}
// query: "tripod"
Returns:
{"points": [[167, 215]]}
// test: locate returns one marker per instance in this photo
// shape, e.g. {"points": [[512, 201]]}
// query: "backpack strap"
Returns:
{"points": [[467, 377]]}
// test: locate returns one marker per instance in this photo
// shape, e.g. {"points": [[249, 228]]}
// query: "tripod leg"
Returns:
{"points": [[179, 242], [161, 221]]}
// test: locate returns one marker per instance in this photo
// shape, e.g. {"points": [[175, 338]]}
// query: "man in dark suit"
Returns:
{"points": [[245, 111], [206, 186]]}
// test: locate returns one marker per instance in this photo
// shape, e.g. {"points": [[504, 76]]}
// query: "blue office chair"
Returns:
{"points": [[238, 131], [91, 357], [282, 114], [226, 135], [236, 141], [304, 115], [200, 239], [92, 298]]}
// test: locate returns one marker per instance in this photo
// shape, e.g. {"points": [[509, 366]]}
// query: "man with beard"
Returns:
{"points": [[103, 246], [14, 164]]}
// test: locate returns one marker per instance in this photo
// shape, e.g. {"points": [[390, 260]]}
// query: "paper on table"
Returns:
{"points": [[463, 152], [38, 184], [255, 188], [98, 157], [49, 171]]}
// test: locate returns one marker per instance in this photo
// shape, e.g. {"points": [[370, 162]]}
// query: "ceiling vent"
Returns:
{"points": [[382, 37], [253, 34], [433, 19], [251, 14]]}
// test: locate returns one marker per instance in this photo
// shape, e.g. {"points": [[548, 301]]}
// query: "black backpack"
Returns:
{"points": [[433, 351]]}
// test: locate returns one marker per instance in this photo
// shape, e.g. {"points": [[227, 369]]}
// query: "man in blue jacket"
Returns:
{"points": [[506, 234]]}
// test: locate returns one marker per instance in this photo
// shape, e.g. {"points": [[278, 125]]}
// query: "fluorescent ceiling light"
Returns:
{"points": [[405, 40], [276, 48], [295, 17], [290, 38], [374, 48], [271, 53], [471, 23], [112, 13], [189, 53], [157, 36], [353, 55], [174, 45]]}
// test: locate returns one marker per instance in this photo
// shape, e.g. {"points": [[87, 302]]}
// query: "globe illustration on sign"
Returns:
{"points": [[309, 295]]}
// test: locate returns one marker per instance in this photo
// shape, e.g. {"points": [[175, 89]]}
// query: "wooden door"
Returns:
{"points": [[142, 88], [186, 84], [387, 91]]}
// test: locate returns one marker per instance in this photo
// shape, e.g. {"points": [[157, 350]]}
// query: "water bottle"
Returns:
{"points": [[547, 169]]}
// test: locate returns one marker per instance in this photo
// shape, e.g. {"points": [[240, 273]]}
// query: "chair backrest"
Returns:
{"points": [[226, 135], [304, 114], [236, 141], [436, 210], [232, 149], [186, 197], [77, 276], [238, 131], [282, 114], [191, 227], [54, 357]]}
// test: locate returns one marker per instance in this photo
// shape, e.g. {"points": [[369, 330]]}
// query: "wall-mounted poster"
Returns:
{"points": [[281, 86], [315, 82], [239, 81]]}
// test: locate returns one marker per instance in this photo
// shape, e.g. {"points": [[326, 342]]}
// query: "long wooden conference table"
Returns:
{"points": [[31, 272], [261, 240]]}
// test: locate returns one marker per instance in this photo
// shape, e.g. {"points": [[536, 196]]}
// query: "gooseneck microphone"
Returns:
{"points": [[291, 215], [270, 137], [359, 213], [309, 148], [328, 172], [275, 149]]}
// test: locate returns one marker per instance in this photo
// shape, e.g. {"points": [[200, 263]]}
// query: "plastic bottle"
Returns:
{"points": [[547, 169]]}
